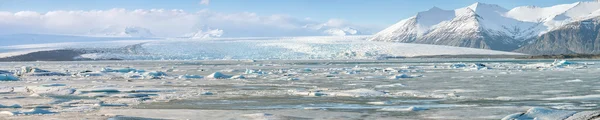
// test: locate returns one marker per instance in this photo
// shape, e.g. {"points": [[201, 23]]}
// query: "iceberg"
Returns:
{"points": [[218, 75], [7, 76]]}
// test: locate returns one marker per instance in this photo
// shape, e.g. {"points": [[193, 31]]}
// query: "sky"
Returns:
{"points": [[372, 15]]}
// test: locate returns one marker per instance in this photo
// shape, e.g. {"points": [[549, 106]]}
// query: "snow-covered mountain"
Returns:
{"points": [[486, 26], [580, 37], [117, 31]]}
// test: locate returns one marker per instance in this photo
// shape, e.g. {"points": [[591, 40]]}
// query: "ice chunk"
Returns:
{"points": [[238, 77], [122, 70], [390, 86], [538, 113], [29, 112], [380, 103], [359, 93], [412, 108], [11, 106], [155, 75], [207, 93], [479, 66], [458, 65], [401, 76], [576, 80], [251, 71], [88, 73], [186, 76], [53, 85], [133, 95], [51, 90], [31, 71], [585, 115], [562, 63], [7, 76], [218, 75]]}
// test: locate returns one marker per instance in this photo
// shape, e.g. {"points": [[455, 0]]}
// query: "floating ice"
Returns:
{"points": [[359, 93], [207, 93], [31, 71], [11, 106], [60, 90], [186, 76], [479, 66], [53, 85], [251, 71], [401, 76], [238, 77], [88, 73], [218, 75], [155, 75], [29, 112], [562, 63], [537, 113], [122, 70], [458, 65], [7, 76], [576, 80], [412, 108], [390, 86], [380, 103]]}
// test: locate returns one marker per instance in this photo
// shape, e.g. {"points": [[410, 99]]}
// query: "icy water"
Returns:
{"points": [[397, 89]]}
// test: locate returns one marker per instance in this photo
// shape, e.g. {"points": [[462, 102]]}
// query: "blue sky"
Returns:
{"points": [[366, 12]]}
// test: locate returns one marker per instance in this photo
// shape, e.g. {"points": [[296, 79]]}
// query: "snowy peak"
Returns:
{"points": [[433, 16], [486, 7], [461, 27], [557, 15]]}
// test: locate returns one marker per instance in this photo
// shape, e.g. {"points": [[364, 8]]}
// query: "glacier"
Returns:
{"points": [[285, 48]]}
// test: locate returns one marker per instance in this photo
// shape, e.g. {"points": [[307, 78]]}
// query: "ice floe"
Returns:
{"points": [[538, 113], [31, 71], [412, 108], [35, 111], [218, 75], [7, 76], [186, 76]]}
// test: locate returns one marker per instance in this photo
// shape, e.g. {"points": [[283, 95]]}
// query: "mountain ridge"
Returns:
{"points": [[486, 26]]}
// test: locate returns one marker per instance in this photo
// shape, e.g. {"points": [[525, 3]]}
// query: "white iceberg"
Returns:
{"points": [[7, 76], [31, 71], [218, 75], [122, 70], [537, 113], [155, 75], [238, 77], [401, 76], [186, 76], [35, 111]]}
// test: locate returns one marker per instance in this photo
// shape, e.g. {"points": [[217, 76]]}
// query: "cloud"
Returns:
{"points": [[163, 23], [204, 2]]}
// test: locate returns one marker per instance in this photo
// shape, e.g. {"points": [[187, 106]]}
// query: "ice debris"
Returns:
{"points": [[539, 113], [186, 76], [238, 77], [412, 108], [7, 76], [11, 106], [31, 71], [122, 70], [401, 76], [35, 111], [218, 75], [155, 75]]}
